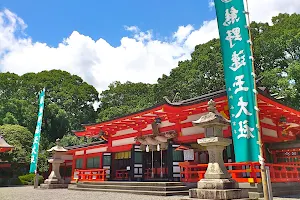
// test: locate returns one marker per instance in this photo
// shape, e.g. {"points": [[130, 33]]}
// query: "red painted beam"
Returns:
{"points": [[189, 138]]}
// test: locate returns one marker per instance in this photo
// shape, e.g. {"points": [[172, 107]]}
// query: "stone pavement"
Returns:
{"points": [[27, 192]]}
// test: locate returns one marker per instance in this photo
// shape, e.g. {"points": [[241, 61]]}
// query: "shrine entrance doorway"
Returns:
{"points": [[156, 164]]}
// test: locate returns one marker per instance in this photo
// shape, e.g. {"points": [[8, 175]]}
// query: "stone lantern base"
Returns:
{"points": [[53, 186], [54, 180], [215, 194], [217, 182]]}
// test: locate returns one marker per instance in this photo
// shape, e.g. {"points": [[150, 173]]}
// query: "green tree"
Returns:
{"points": [[9, 119], [200, 75], [19, 137], [276, 47], [121, 99], [68, 103], [70, 140]]}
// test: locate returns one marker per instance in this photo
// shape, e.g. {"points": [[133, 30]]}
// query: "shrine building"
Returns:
{"points": [[160, 144]]}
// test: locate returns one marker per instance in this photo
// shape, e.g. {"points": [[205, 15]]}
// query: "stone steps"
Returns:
{"points": [[140, 192], [280, 192], [143, 188], [134, 183], [210, 199], [133, 187]]}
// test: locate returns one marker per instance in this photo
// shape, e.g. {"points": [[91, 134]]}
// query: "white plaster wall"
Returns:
{"points": [[269, 132], [96, 150], [149, 127], [124, 132], [191, 130], [77, 153], [67, 157], [75, 174], [268, 121], [123, 141], [192, 118], [163, 124], [176, 169]]}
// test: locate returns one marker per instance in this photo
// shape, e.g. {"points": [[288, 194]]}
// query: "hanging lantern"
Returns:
{"points": [[158, 147], [147, 148]]}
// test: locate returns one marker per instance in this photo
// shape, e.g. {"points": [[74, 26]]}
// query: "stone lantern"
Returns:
{"points": [[217, 182], [54, 180]]}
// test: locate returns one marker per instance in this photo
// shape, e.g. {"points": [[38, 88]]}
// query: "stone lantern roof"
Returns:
{"points": [[212, 118], [57, 148]]}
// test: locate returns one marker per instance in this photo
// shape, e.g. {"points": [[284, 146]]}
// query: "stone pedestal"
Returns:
{"points": [[54, 176], [54, 180], [217, 182]]}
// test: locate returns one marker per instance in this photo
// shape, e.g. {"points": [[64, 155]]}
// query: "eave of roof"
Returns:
{"points": [[191, 101], [85, 145]]}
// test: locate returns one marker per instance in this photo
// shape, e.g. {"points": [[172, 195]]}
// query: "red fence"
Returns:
{"points": [[122, 174], [156, 171], [243, 172], [91, 174]]}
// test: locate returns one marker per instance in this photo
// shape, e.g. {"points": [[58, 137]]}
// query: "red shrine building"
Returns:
{"points": [[160, 144]]}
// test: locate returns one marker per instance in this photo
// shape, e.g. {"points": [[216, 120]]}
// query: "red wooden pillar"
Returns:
{"points": [[73, 165], [262, 142], [109, 143], [84, 159], [101, 160]]}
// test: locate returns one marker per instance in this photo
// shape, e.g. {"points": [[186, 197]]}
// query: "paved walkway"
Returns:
{"points": [[27, 192]]}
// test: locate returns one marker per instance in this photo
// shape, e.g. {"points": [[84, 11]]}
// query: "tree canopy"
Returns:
{"points": [[19, 137], [69, 100], [276, 55], [121, 99]]}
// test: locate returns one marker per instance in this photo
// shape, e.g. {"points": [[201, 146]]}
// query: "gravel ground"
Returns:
{"points": [[20, 193]]}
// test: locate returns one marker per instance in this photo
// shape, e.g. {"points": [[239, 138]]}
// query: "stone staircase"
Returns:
{"points": [[144, 188]]}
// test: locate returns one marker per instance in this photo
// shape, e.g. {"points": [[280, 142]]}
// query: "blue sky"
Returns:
{"points": [[89, 38], [50, 21]]}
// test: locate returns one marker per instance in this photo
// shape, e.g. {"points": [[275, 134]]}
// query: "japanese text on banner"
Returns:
{"points": [[239, 78]]}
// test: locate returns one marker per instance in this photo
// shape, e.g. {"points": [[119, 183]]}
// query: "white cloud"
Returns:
{"points": [[132, 28], [183, 32], [206, 32], [264, 10], [211, 3], [140, 57]]}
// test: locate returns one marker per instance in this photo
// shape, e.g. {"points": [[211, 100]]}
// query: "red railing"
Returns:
{"points": [[156, 171], [121, 174], [284, 173], [91, 174], [242, 172]]}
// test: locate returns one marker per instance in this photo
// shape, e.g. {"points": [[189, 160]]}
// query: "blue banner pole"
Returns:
{"points": [[37, 135]]}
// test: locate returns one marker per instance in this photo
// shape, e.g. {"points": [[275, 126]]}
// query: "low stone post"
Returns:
{"points": [[217, 182], [54, 180]]}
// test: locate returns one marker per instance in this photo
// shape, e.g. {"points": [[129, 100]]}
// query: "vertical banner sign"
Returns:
{"points": [[239, 78], [37, 135]]}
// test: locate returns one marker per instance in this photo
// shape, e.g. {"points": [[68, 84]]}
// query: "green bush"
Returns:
{"points": [[28, 179]]}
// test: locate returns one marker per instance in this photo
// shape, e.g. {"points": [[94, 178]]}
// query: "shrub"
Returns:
{"points": [[28, 179]]}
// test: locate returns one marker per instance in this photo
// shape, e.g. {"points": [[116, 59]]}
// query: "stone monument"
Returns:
{"points": [[54, 180], [217, 182]]}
